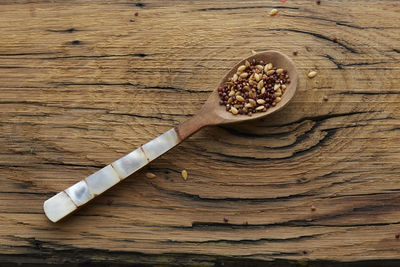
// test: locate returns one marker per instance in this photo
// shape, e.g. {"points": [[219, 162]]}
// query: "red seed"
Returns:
{"points": [[136, 14], [318, 2], [245, 223], [334, 39], [397, 236], [109, 202], [313, 208], [226, 219], [325, 98]]}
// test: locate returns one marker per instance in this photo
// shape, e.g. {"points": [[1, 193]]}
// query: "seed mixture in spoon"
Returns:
{"points": [[255, 87]]}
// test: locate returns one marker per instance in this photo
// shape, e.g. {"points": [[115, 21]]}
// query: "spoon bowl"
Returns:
{"points": [[218, 113], [212, 113]]}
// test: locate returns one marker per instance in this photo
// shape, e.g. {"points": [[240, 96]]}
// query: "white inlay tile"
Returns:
{"points": [[130, 163], [58, 206], [102, 180], [161, 144], [79, 193]]}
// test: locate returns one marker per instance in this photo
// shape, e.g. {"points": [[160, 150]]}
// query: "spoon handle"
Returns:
{"points": [[69, 200]]}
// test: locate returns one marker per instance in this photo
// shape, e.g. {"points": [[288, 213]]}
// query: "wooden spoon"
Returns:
{"points": [[212, 113]]}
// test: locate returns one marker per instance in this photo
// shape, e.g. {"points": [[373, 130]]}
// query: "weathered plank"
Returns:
{"points": [[83, 83]]}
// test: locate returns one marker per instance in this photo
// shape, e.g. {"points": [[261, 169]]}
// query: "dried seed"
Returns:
{"points": [[260, 85], [260, 108], [150, 175], [226, 219], [263, 90], [397, 236], [273, 12], [283, 86], [278, 99], [240, 98], [268, 67], [278, 93], [257, 76], [277, 86], [234, 110], [259, 67], [247, 88], [313, 208], [325, 98], [248, 105], [231, 93], [241, 68], [230, 100], [261, 101], [270, 72], [295, 53], [235, 77], [247, 64], [279, 71], [252, 102], [312, 74], [243, 75], [184, 174], [253, 52]]}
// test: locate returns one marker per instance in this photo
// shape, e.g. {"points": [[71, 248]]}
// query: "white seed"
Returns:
{"points": [[277, 100], [240, 98], [259, 67], [253, 52], [234, 110], [252, 102], [261, 101], [257, 77], [260, 108], [268, 67], [312, 74], [184, 174], [247, 64], [241, 68], [243, 75], [283, 86], [273, 12], [150, 175], [278, 94], [248, 105], [263, 90], [270, 72], [279, 71], [230, 100], [235, 77], [247, 88], [277, 86], [260, 85]]}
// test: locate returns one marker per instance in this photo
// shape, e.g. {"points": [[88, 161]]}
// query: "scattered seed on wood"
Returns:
{"points": [[295, 52], [226, 219], [253, 52], [325, 98], [334, 39], [397, 236], [313, 208], [318, 2], [312, 74], [273, 12], [136, 14], [255, 87], [184, 174], [150, 175], [245, 223], [109, 202]]}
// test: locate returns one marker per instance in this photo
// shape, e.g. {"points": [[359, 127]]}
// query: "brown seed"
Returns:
{"points": [[313, 208], [325, 98], [312, 74], [295, 53], [184, 174], [150, 175], [226, 219], [397, 236], [273, 12]]}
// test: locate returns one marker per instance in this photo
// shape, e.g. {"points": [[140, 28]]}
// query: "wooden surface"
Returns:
{"points": [[85, 82]]}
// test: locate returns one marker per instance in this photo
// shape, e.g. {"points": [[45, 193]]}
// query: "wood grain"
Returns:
{"points": [[83, 83]]}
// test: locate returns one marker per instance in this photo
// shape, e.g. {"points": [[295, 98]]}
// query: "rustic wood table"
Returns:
{"points": [[85, 82]]}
